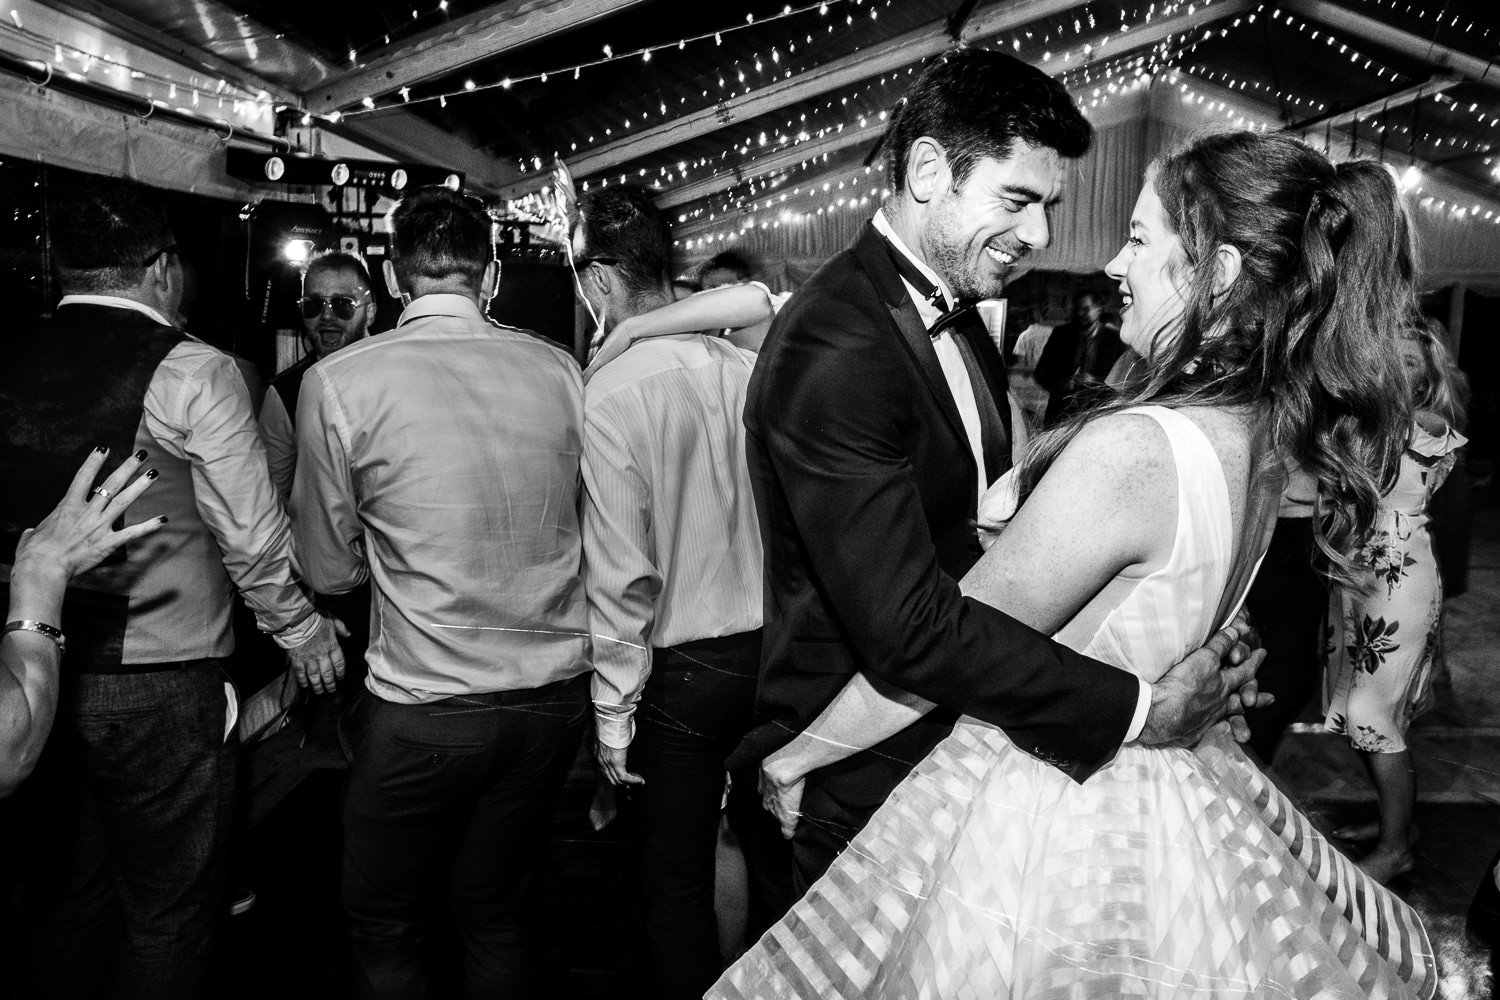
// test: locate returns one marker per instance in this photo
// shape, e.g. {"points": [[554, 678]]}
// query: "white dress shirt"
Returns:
{"points": [[441, 461], [952, 362], [963, 395], [672, 546]]}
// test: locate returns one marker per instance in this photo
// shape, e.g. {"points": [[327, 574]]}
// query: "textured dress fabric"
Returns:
{"points": [[1383, 629], [1169, 873]]}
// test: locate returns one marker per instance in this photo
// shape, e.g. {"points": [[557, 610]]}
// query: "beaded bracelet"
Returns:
{"points": [[42, 628]]}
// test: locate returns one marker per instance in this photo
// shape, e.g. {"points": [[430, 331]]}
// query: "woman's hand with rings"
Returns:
{"points": [[77, 535]]}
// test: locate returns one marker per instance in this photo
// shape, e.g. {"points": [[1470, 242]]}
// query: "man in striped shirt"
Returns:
{"points": [[673, 575]]}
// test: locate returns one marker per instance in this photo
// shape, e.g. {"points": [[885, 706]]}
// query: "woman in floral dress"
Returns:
{"points": [[1383, 625]]}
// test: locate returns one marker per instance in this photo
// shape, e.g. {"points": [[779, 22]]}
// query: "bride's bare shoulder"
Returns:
{"points": [[1125, 457]]}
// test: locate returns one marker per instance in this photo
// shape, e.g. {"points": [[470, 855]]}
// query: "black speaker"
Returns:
{"points": [[536, 295]]}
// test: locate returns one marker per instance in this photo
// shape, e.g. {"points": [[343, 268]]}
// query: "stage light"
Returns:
{"points": [[1411, 177], [453, 182], [297, 251]]}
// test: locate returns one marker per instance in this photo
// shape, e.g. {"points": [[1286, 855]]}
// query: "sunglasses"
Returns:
{"points": [[581, 263], [343, 305], [170, 248]]}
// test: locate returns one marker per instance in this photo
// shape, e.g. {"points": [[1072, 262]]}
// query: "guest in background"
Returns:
{"points": [[730, 268], [441, 462], [73, 539], [726, 268], [674, 582], [1077, 359], [1287, 604], [337, 306], [1384, 623], [134, 794]]}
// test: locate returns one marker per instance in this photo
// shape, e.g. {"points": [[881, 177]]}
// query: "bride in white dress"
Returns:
{"points": [[1266, 289]]}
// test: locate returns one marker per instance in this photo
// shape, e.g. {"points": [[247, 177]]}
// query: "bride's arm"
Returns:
{"points": [[1107, 503]]}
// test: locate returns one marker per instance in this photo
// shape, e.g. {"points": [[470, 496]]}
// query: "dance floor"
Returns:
{"points": [[291, 943]]}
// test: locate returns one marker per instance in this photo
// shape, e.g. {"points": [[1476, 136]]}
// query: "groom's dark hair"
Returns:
{"points": [[978, 103]]}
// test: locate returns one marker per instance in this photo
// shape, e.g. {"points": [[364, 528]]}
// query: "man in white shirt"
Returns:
{"points": [[673, 576], [440, 461], [138, 782]]}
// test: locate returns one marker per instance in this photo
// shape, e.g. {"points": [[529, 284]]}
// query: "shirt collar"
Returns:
{"points": [[883, 226], [115, 302], [441, 304]]}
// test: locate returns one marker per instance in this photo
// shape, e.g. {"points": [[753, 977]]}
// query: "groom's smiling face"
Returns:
{"points": [[976, 231]]}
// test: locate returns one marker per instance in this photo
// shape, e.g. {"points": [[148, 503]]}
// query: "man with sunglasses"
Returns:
{"points": [[337, 305], [128, 813]]}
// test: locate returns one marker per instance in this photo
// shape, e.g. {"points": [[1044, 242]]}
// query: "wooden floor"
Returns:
{"points": [[290, 944]]}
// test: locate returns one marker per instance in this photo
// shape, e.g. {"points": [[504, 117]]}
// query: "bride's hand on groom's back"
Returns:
{"points": [[1214, 683]]}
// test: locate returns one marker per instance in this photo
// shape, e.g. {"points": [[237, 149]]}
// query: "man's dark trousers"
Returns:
{"points": [[453, 800], [133, 802], [698, 703]]}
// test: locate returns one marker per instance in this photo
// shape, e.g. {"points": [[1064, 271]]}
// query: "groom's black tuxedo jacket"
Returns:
{"points": [[865, 487]]}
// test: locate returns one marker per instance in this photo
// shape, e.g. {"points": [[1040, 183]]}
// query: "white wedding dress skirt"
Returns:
{"points": [[1170, 873]]}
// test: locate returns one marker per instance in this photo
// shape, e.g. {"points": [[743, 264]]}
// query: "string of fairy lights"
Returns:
{"points": [[742, 198], [643, 53], [1142, 70], [193, 95], [1060, 38], [1054, 41]]}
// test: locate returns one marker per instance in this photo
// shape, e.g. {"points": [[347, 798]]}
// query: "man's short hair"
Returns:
{"points": [[624, 223], [978, 103], [340, 261], [103, 231], [728, 260], [437, 233]]}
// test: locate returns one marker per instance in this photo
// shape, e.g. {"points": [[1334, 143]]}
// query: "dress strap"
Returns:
{"points": [[1205, 524]]}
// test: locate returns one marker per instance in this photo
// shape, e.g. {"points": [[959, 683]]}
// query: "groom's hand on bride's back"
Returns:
{"points": [[1214, 683]]}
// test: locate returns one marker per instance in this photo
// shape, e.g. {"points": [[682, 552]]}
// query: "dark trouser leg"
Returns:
{"points": [[160, 780], [439, 795], [696, 706], [1287, 604], [768, 855], [495, 897], [825, 829]]}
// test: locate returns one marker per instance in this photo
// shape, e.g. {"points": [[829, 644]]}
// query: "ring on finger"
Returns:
{"points": [[102, 491]]}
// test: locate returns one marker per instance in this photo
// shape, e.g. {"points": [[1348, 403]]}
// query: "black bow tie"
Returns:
{"points": [[929, 290]]}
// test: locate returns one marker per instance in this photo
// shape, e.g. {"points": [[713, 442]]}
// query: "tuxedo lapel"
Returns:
{"points": [[992, 366], [872, 255]]}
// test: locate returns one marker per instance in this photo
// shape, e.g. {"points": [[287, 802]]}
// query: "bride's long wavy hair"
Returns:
{"points": [[1305, 336]]}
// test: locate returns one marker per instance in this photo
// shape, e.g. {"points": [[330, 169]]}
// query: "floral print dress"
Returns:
{"points": [[1383, 630]]}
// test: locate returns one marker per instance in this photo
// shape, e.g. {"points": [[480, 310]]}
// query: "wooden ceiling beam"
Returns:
{"points": [[1377, 105], [1439, 57], [782, 159], [488, 32], [894, 54], [852, 174]]}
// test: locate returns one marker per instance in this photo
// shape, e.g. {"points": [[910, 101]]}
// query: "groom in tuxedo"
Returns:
{"points": [[876, 419]]}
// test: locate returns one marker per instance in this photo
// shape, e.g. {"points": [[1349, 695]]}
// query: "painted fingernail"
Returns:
{"points": [[151, 473], [99, 449], [140, 456], [162, 519]]}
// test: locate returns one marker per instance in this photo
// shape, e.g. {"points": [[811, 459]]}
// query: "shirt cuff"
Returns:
{"points": [[1142, 709], [295, 635], [614, 726]]}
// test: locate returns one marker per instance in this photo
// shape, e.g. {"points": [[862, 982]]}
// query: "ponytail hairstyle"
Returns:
{"points": [[1305, 335], [1437, 388]]}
